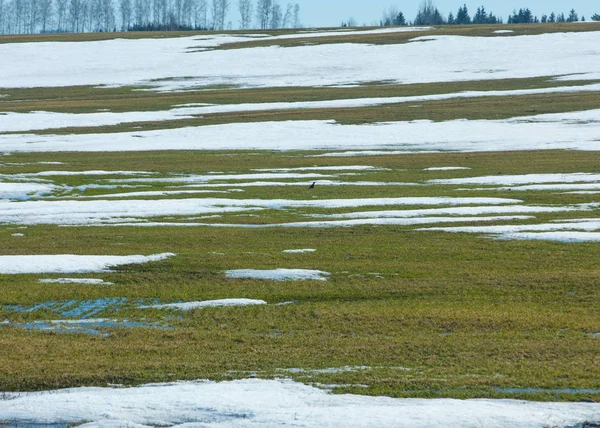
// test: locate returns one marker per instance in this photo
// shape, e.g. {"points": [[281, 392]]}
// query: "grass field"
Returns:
{"points": [[404, 312]]}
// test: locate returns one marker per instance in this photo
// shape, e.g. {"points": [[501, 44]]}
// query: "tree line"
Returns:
{"points": [[429, 14], [80, 16]]}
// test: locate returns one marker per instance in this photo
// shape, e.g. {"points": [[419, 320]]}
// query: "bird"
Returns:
{"points": [[312, 186]]}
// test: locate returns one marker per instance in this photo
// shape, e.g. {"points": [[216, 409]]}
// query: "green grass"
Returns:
{"points": [[431, 314], [88, 100], [466, 314]]}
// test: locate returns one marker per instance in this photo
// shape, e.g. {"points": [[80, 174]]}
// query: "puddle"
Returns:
{"points": [[94, 327], [78, 315], [74, 308]]}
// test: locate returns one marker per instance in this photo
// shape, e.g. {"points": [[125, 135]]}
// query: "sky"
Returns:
{"points": [[330, 13]]}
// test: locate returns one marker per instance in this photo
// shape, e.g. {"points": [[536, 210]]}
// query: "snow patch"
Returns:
{"points": [[188, 306], [279, 274], [258, 402], [88, 281], [69, 263], [120, 211], [24, 191], [447, 168], [568, 131], [512, 180]]}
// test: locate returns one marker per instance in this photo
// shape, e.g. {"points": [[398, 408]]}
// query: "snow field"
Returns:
{"points": [[119, 211], [572, 131], [40, 120], [257, 402], [129, 212], [141, 62]]}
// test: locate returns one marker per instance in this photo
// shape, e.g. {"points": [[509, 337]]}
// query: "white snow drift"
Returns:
{"points": [[188, 306], [23, 191], [279, 274], [106, 212], [568, 131], [69, 263], [144, 61], [270, 403], [86, 281], [40, 120]]}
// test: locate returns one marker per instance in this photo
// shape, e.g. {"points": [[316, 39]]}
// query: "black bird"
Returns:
{"points": [[312, 186]]}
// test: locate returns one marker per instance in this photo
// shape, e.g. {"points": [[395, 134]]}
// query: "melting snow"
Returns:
{"points": [[68, 263], [106, 212], [543, 132], [446, 168], [89, 281], [577, 230], [279, 274], [154, 61], [39, 120], [579, 177], [23, 191], [257, 402], [187, 306]]}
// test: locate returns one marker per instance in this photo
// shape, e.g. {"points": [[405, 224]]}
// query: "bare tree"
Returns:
{"points": [[126, 14], [215, 14], [156, 11], [297, 16], [225, 4], [245, 8], [264, 8], [276, 15], [61, 14], [287, 18], [428, 14], [17, 10], [2, 17], [31, 15], [177, 11], [45, 12], [108, 15], [219, 13], [200, 12], [75, 10]]}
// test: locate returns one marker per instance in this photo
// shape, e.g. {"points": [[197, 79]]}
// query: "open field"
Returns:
{"points": [[451, 245]]}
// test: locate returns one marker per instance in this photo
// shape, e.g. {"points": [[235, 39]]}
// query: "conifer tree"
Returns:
{"points": [[462, 16]]}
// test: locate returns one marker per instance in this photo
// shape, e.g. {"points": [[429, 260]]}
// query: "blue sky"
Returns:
{"points": [[325, 13]]}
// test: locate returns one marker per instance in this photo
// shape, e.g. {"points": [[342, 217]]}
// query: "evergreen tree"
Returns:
{"points": [[400, 19], [523, 17], [552, 17], [572, 16], [480, 16], [561, 18], [462, 16], [595, 17], [450, 20], [428, 14]]}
